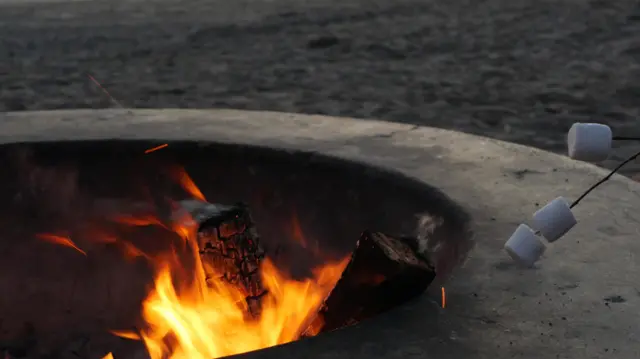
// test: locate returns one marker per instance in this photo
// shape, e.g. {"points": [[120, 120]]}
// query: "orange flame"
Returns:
{"points": [[188, 316], [139, 221], [129, 250], [64, 241], [185, 181], [297, 234], [209, 321], [125, 334]]}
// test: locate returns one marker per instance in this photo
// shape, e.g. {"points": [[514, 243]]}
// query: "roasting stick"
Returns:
{"points": [[623, 138]]}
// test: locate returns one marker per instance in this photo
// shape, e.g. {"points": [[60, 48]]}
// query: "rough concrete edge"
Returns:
{"points": [[366, 128], [394, 129], [587, 167]]}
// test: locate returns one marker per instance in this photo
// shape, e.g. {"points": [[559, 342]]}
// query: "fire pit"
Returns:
{"points": [[316, 245], [124, 225]]}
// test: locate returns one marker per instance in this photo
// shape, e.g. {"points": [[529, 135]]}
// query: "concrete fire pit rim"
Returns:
{"points": [[500, 183], [315, 157], [208, 125]]}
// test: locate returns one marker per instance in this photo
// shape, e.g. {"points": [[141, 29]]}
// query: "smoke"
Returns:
{"points": [[448, 246]]}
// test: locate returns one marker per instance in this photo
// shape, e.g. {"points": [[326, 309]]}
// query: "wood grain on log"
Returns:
{"points": [[383, 272], [229, 247]]}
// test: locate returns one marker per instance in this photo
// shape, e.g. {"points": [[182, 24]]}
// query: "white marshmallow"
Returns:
{"points": [[554, 220], [524, 246], [589, 141]]}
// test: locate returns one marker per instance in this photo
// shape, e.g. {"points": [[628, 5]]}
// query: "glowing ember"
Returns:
{"points": [[186, 316], [153, 149]]}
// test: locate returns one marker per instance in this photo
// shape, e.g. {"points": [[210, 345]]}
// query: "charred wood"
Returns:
{"points": [[229, 247], [383, 272]]}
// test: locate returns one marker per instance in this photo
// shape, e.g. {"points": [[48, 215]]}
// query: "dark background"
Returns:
{"points": [[518, 70]]}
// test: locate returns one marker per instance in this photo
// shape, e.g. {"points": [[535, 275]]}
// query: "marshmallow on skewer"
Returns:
{"points": [[589, 141], [554, 220], [524, 246]]}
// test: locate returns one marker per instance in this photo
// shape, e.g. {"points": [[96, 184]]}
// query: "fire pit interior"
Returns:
{"points": [[130, 249]]}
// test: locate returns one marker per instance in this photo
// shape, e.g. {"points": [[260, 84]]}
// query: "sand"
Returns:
{"points": [[516, 70]]}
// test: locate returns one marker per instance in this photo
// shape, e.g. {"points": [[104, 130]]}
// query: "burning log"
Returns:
{"points": [[383, 272], [229, 247]]}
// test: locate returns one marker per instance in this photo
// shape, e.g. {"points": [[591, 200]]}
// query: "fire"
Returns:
{"points": [[186, 316], [297, 231], [61, 240], [185, 181], [139, 221], [298, 236], [209, 321]]}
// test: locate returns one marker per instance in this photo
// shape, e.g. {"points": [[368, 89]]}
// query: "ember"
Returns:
{"points": [[234, 299]]}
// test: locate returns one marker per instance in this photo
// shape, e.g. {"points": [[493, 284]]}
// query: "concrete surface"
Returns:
{"points": [[582, 301], [516, 70]]}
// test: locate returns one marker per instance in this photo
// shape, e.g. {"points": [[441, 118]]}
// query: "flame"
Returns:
{"points": [[297, 234], [126, 334], [64, 241], [185, 181], [139, 221], [188, 316], [300, 237], [209, 321]]}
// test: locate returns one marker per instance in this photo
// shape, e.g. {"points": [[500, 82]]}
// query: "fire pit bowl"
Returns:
{"points": [[314, 183]]}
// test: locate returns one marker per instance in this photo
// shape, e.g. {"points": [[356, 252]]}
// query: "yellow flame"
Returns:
{"points": [[210, 321], [188, 316]]}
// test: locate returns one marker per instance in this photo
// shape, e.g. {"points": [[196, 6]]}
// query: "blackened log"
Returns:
{"points": [[383, 272], [229, 247]]}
